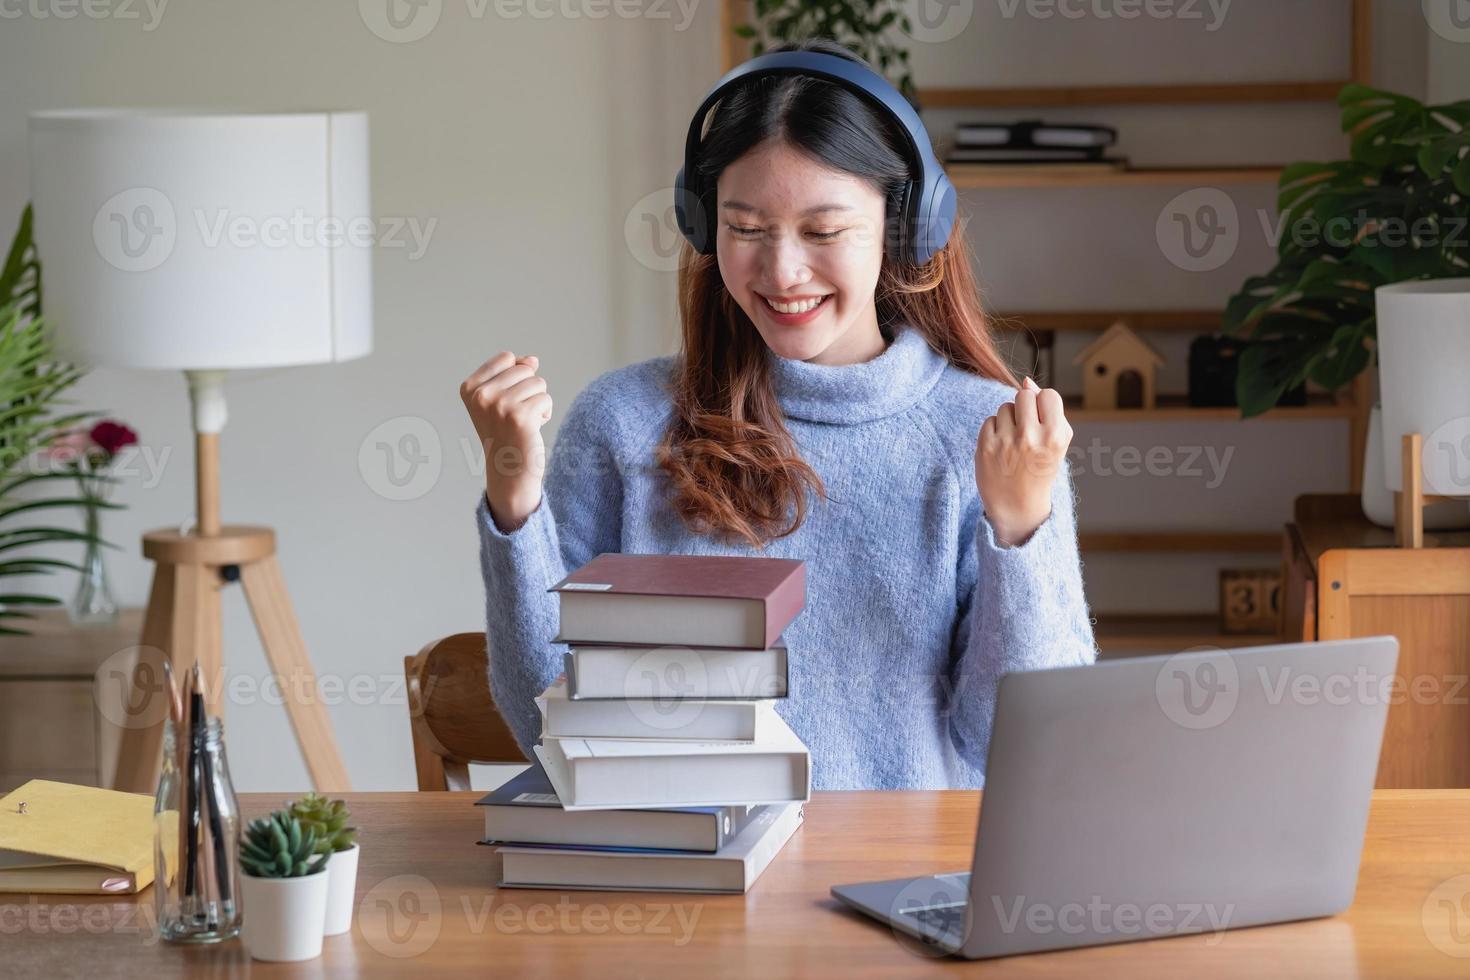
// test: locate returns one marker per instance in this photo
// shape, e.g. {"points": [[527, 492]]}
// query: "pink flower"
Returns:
{"points": [[69, 445], [111, 436]]}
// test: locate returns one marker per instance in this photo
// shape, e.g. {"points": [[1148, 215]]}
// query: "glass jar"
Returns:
{"points": [[196, 840]]}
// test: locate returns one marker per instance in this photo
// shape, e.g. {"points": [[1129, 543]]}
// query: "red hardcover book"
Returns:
{"points": [[683, 600]]}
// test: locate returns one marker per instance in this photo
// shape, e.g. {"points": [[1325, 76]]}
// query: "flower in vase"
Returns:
{"points": [[112, 437]]}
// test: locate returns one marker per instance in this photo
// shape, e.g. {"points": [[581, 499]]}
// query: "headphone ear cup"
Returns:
{"points": [[692, 214], [895, 224]]}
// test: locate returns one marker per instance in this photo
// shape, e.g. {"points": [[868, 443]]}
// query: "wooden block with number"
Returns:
{"points": [[1250, 600]]}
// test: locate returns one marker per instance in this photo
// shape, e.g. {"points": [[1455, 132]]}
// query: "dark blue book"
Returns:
{"points": [[526, 811]]}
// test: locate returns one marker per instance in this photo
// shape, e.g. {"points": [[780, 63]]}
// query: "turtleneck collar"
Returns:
{"points": [[845, 394]]}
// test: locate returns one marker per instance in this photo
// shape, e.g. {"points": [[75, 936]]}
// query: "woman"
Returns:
{"points": [[833, 403]]}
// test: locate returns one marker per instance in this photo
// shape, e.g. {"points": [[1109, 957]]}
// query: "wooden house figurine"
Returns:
{"points": [[1119, 369]]}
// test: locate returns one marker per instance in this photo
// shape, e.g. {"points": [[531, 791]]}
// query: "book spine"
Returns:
{"points": [[771, 842]]}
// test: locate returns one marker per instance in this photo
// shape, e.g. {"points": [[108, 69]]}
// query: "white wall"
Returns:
{"points": [[527, 141], [530, 142]]}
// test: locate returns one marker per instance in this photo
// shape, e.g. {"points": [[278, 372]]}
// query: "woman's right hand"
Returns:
{"points": [[508, 405]]}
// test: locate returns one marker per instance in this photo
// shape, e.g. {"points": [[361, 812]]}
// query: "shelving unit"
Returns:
{"points": [[978, 175], [1144, 631]]}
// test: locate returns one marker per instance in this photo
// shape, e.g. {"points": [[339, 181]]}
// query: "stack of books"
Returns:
{"points": [[663, 764], [1032, 142]]}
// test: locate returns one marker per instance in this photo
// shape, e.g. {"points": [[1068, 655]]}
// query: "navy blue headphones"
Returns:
{"points": [[925, 208]]}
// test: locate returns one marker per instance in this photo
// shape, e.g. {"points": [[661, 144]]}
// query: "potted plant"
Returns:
{"points": [[87, 454], [328, 820], [32, 383], [283, 883], [1395, 210], [862, 26]]}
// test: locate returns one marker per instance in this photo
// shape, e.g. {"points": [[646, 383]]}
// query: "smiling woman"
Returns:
{"points": [[837, 399]]}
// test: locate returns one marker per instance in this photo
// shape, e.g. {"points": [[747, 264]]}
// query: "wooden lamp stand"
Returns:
{"points": [[182, 621], [1409, 503]]}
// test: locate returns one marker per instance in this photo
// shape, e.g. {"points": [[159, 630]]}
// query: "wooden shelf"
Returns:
{"points": [[979, 175], [1175, 321], [1176, 408], [1108, 95], [1127, 634], [1242, 542]]}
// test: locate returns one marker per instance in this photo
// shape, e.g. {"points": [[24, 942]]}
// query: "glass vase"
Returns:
{"points": [[196, 840], [93, 604]]}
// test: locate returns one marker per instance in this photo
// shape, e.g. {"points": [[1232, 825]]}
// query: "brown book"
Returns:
{"points": [[681, 600]]}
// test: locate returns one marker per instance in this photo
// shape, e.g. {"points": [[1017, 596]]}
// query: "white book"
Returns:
{"points": [[562, 717], [731, 870], [607, 774], [675, 672]]}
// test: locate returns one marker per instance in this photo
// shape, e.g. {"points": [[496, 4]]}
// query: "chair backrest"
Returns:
{"points": [[452, 714]]}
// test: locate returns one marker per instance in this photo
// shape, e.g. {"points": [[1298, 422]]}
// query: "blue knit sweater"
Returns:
{"points": [[913, 610]]}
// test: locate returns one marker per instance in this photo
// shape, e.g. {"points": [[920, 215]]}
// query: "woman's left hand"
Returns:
{"points": [[1019, 452]]}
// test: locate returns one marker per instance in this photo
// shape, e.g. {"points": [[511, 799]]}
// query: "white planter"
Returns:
{"points": [[341, 890], [1423, 366], [1378, 499], [283, 916]]}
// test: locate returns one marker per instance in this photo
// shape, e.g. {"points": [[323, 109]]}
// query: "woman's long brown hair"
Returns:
{"points": [[734, 469]]}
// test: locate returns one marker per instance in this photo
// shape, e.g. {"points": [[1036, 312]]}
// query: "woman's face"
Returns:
{"points": [[792, 230]]}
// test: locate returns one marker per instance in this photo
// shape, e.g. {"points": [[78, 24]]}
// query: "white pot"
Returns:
{"points": [[283, 916], [1423, 365], [1378, 499], [341, 890]]}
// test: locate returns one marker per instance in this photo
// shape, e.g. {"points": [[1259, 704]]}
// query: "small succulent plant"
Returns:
{"points": [[280, 846], [328, 819]]}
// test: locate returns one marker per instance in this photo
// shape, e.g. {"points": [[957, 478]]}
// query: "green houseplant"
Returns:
{"points": [[284, 888], [1396, 209], [863, 26], [31, 385], [329, 821]]}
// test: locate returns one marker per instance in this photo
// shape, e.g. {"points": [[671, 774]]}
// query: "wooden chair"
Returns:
{"points": [[451, 713]]}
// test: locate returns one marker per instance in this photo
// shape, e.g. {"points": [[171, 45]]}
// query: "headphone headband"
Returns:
{"points": [[926, 208]]}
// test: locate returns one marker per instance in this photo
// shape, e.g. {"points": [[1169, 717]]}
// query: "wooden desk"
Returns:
{"points": [[419, 861]]}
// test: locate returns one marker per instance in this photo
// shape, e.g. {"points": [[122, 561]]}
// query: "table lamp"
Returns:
{"points": [[203, 242]]}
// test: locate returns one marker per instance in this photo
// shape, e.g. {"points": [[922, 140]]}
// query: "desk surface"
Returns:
{"points": [[426, 901]]}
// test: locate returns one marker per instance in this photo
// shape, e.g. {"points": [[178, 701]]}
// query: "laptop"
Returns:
{"points": [[1157, 796]]}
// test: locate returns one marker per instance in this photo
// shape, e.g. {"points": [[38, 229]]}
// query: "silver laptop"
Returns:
{"points": [[1155, 796]]}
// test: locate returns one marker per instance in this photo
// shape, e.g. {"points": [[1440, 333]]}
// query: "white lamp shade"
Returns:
{"points": [[1424, 379], [196, 241]]}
